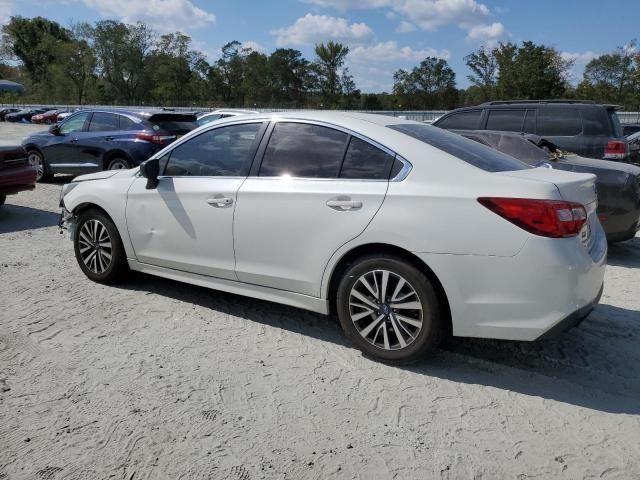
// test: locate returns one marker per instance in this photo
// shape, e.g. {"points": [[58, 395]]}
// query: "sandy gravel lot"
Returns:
{"points": [[159, 380]]}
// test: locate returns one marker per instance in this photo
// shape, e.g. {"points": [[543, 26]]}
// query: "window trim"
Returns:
{"points": [[255, 169], [254, 147]]}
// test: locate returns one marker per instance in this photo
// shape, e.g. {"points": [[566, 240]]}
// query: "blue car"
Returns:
{"points": [[102, 139]]}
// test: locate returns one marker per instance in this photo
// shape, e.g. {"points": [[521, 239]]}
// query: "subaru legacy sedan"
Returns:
{"points": [[407, 232]]}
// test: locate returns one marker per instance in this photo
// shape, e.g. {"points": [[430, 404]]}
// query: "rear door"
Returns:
{"points": [[316, 188], [101, 133]]}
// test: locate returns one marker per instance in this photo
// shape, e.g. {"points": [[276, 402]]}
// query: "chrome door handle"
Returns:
{"points": [[73, 140], [344, 204], [220, 202]]}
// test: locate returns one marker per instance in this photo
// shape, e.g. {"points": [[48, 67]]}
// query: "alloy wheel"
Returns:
{"points": [[35, 160], [95, 246], [385, 309], [118, 165]]}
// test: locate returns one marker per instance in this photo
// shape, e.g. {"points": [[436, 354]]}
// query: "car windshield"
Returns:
{"points": [[474, 153]]}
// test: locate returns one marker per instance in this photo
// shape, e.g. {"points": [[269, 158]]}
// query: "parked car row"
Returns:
{"points": [[34, 115]]}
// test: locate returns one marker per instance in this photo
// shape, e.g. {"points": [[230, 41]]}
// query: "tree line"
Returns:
{"points": [[114, 63]]}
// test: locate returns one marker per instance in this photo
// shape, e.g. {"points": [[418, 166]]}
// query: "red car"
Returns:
{"points": [[16, 175], [48, 117]]}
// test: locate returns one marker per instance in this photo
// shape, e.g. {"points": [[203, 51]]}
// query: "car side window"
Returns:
{"points": [[365, 162], [74, 123], [104, 122], [125, 122], [468, 120], [303, 150], [529, 122], [559, 122], [505, 120], [220, 152], [207, 119]]}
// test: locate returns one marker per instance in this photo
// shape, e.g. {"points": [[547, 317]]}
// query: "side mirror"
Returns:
{"points": [[150, 170], [54, 129]]}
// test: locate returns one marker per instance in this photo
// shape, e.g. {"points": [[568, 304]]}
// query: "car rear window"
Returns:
{"points": [[596, 121], [466, 150], [178, 124]]}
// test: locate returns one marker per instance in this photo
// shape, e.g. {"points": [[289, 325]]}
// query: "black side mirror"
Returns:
{"points": [[150, 170], [54, 129]]}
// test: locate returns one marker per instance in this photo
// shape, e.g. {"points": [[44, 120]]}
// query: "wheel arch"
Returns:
{"points": [[382, 248]]}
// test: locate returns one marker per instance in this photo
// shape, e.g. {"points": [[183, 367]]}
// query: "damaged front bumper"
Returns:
{"points": [[67, 223]]}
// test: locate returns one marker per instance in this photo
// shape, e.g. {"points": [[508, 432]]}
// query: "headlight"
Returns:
{"points": [[66, 189]]}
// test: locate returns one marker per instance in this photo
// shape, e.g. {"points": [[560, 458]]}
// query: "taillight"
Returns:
{"points": [[153, 138], [616, 150], [548, 218]]}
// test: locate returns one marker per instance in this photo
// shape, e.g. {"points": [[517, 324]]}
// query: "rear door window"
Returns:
{"points": [[303, 150], [466, 150], [225, 151], [559, 122], [467, 120], [506, 120], [104, 122], [365, 161]]}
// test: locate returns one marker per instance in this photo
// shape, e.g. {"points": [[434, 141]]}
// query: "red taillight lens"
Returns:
{"points": [[616, 150], [157, 139], [548, 218]]}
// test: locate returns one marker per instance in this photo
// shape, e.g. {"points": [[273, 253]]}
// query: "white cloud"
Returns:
{"points": [[581, 58], [485, 33], [311, 29], [349, 4], [391, 52], [161, 14], [255, 46], [432, 14], [405, 27], [5, 11]]}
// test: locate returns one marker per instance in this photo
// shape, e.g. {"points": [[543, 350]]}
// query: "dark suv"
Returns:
{"points": [[93, 140], [582, 127]]}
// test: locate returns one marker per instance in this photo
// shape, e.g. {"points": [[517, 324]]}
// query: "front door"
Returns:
{"points": [[63, 152], [186, 223]]}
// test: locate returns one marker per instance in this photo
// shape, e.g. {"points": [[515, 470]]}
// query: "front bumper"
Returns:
{"points": [[67, 222]]}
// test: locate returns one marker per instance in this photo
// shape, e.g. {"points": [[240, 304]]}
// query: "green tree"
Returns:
{"points": [[612, 77], [431, 84], [484, 66], [123, 51], [530, 71], [289, 74], [330, 59]]}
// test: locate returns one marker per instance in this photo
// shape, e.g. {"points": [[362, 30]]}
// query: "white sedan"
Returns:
{"points": [[407, 232]]}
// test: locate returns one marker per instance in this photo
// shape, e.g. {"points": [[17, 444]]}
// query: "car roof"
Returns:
{"points": [[143, 114]]}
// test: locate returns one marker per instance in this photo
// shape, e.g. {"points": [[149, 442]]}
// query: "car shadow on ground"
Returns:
{"points": [[592, 366], [14, 218], [625, 254]]}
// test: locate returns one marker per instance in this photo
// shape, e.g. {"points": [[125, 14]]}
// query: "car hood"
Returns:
{"points": [[96, 176]]}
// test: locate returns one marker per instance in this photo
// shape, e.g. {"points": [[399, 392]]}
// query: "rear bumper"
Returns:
{"points": [[549, 284], [16, 180]]}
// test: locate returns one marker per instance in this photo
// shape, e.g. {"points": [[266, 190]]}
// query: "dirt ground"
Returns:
{"points": [[154, 379]]}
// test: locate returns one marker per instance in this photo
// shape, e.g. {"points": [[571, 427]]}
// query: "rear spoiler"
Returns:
{"points": [[617, 108]]}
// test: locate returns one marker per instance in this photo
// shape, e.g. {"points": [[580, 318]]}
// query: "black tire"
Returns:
{"points": [[3, 198], [118, 163], [433, 325], [118, 262], [37, 160]]}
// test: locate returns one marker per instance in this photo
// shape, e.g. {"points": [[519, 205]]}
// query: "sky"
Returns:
{"points": [[383, 35]]}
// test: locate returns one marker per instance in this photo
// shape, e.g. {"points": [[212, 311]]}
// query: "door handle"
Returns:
{"points": [[108, 138], [73, 140], [220, 202], [344, 204]]}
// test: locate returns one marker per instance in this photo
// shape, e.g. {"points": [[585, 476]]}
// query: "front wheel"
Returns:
{"points": [[389, 309], [98, 247]]}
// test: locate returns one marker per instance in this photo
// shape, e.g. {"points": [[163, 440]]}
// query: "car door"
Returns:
{"points": [[186, 223], [101, 132], [62, 151], [315, 189]]}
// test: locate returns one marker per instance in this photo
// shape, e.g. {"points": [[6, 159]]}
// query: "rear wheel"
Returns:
{"points": [[389, 309], [37, 161], [98, 247], [3, 198], [118, 164]]}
